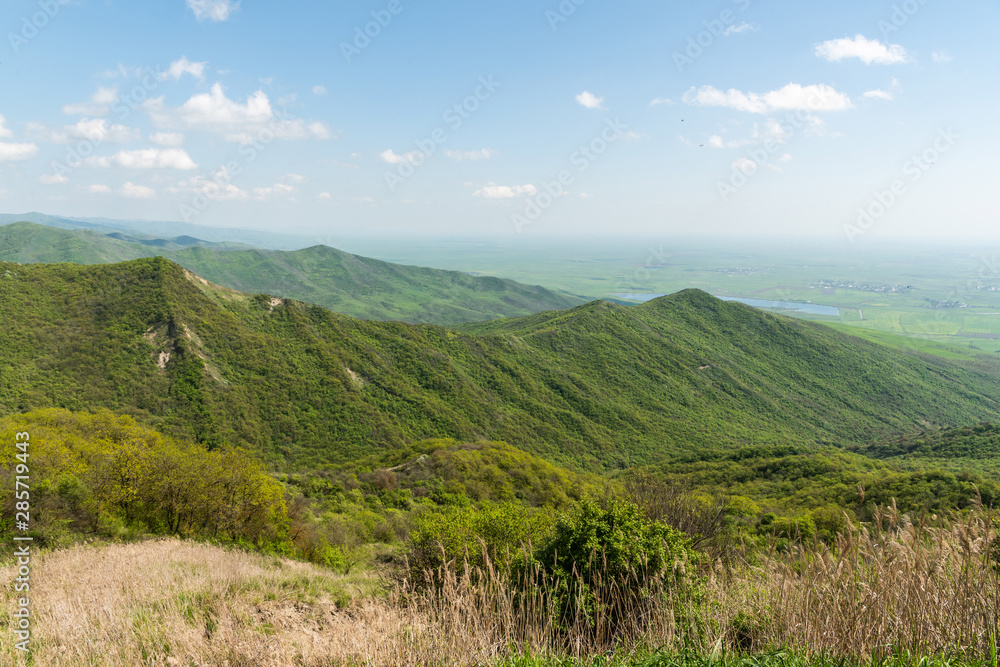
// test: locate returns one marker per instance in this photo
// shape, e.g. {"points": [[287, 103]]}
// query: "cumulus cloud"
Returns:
{"points": [[98, 105], [739, 29], [5, 132], [213, 10], [236, 121], [483, 154], [793, 97], [319, 90], [504, 191], [53, 179], [661, 100], [147, 158], [294, 178], [98, 189], [168, 139], [866, 50], [96, 130], [217, 188], [179, 68], [17, 152], [132, 191], [325, 195], [941, 57], [392, 157], [878, 94], [275, 191], [589, 100]]}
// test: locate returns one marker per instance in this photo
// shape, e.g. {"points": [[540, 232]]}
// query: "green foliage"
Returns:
{"points": [[597, 388], [615, 545], [494, 535], [105, 473], [344, 283]]}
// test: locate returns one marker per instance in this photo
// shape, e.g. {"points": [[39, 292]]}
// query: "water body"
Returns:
{"points": [[811, 308]]}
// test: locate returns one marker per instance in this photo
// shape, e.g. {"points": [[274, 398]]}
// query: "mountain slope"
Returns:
{"points": [[344, 283], [597, 387]]}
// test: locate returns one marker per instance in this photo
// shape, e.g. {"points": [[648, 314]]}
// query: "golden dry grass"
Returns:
{"points": [[931, 590]]}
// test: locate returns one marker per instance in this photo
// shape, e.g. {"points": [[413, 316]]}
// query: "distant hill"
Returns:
{"points": [[344, 283], [166, 229], [598, 387]]}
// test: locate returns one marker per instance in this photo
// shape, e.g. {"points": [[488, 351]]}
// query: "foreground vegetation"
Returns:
{"points": [[888, 593]]}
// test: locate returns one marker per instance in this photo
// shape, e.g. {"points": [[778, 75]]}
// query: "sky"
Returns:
{"points": [[846, 121]]}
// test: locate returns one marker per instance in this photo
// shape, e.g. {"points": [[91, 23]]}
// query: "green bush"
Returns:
{"points": [[613, 556]]}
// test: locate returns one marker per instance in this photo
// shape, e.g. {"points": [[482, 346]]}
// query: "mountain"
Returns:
{"points": [[167, 229], [597, 387], [344, 283]]}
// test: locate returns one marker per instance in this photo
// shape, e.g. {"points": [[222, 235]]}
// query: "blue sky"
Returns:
{"points": [[850, 120]]}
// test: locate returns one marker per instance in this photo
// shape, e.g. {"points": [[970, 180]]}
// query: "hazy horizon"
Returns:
{"points": [[847, 123]]}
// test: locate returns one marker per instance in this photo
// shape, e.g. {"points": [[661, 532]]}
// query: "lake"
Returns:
{"points": [[811, 308]]}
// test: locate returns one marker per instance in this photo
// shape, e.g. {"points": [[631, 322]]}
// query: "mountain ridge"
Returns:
{"points": [[596, 388]]}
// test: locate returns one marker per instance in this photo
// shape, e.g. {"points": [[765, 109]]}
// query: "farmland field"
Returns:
{"points": [[941, 294]]}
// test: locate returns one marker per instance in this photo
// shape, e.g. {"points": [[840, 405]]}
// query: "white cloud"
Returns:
{"points": [[273, 192], [214, 10], [99, 104], [325, 195], [147, 158], [168, 139], [17, 152], [878, 94], [744, 164], [867, 50], [504, 191], [589, 100], [793, 97], [179, 68], [212, 111], [483, 154], [392, 157], [96, 130], [319, 90], [132, 191], [661, 100], [217, 188], [586, 195], [739, 29], [294, 178], [785, 158], [5, 132], [238, 122], [941, 57], [98, 189], [53, 179]]}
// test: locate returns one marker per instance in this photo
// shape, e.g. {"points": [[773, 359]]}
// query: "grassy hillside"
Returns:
{"points": [[341, 282], [598, 387]]}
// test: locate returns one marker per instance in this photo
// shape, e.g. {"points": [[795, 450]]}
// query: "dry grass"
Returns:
{"points": [[927, 589]]}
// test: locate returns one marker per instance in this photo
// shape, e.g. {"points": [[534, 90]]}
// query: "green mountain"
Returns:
{"points": [[598, 387], [344, 283]]}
